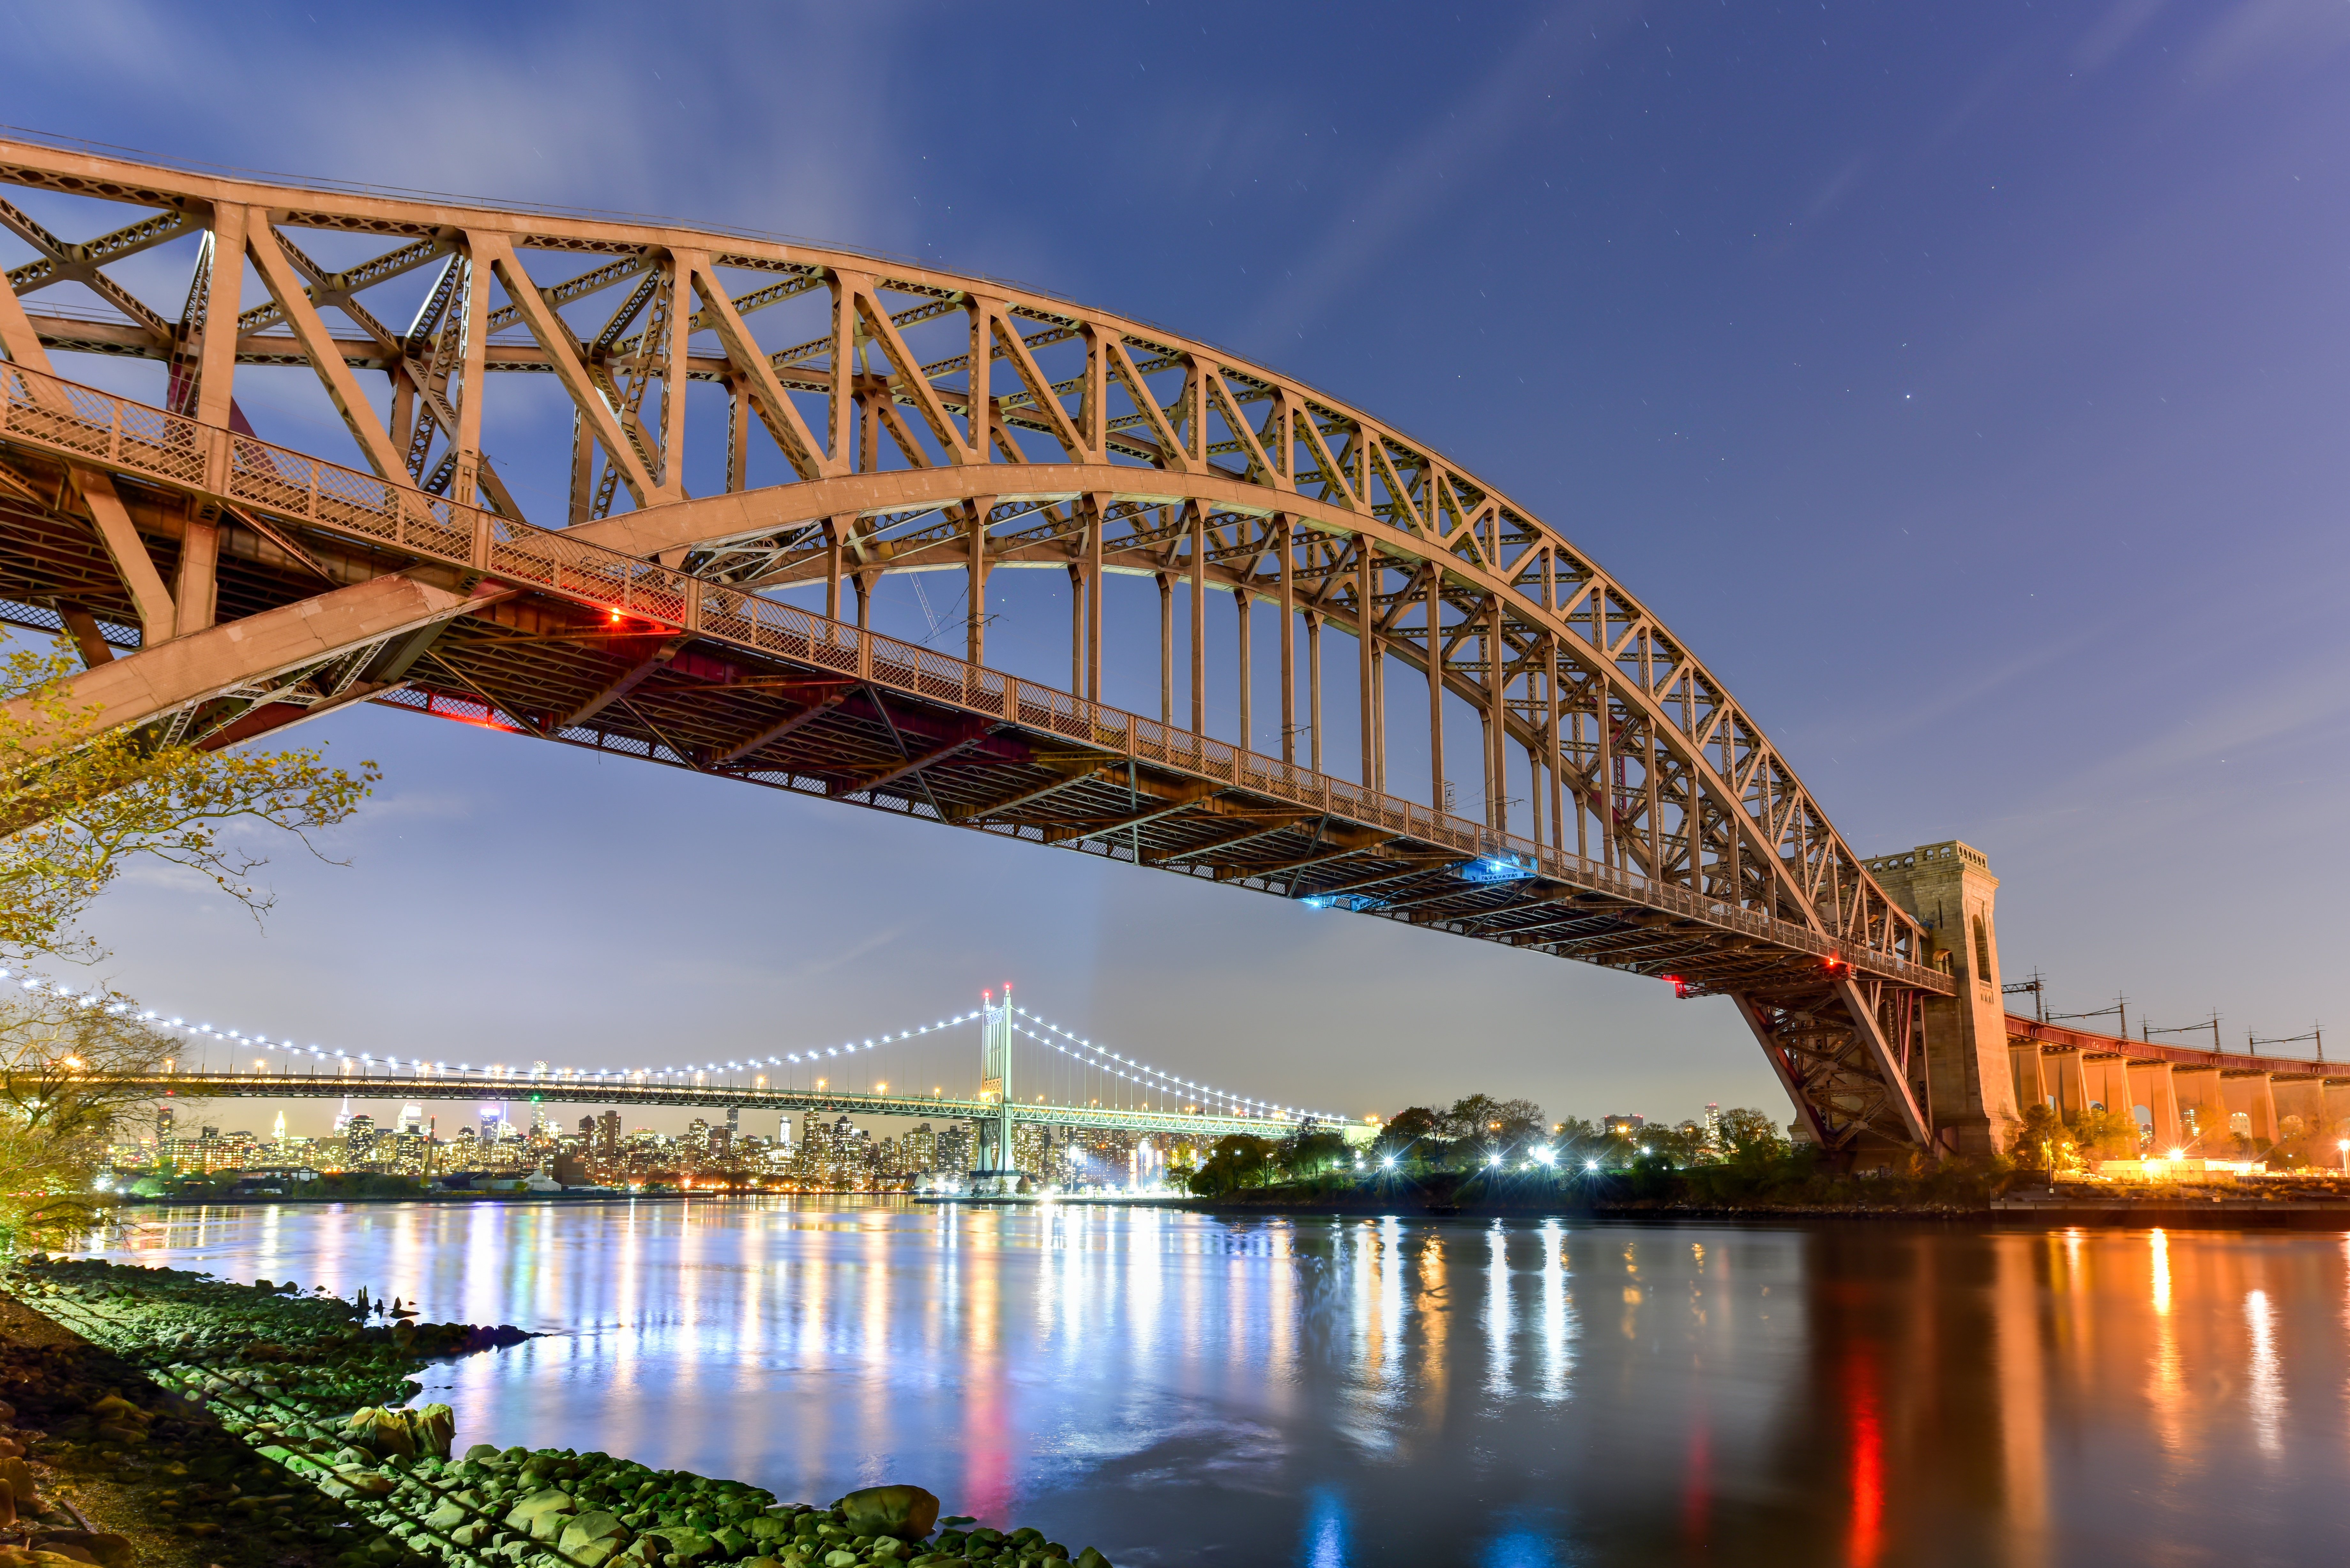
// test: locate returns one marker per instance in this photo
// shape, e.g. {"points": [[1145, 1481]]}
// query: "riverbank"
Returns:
{"points": [[302, 1388], [2071, 1203]]}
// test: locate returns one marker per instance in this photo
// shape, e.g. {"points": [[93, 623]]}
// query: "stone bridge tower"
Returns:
{"points": [[1969, 1091]]}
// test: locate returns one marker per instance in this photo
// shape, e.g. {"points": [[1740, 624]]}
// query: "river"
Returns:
{"points": [[1176, 1388]]}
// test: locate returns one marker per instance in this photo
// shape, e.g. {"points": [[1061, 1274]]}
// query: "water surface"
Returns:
{"points": [[1181, 1389]]}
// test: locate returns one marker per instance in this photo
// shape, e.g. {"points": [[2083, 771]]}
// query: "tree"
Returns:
{"points": [[1747, 1131], [59, 1100], [2043, 1141], [1413, 1132], [1494, 1126], [1311, 1150], [77, 803], [1237, 1160]]}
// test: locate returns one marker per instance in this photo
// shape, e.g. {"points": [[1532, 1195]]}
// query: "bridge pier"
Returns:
{"points": [[1970, 1092]]}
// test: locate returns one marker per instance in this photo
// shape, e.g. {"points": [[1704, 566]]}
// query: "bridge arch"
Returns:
{"points": [[1668, 836]]}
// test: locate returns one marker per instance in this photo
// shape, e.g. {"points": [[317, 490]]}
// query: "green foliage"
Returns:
{"points": [[1238, 1160], [77, 803], [2041, 1142], [1411, 1136], [1310, 1151]]}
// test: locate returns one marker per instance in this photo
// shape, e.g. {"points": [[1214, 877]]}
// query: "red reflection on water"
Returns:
{"points": [[1867, 1537], [1697, 1497]]}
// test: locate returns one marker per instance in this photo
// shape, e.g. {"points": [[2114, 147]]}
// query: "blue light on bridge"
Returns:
{"points": [[1497, 866]]}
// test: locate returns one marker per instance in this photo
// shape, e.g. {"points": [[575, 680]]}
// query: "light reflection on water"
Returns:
{"points": [[1176, 1388]]}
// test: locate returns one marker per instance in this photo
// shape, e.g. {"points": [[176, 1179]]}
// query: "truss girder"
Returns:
{"points": [[1020, 431]]}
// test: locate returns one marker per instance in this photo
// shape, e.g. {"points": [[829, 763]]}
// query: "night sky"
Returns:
{"points": [[1965, 384]]}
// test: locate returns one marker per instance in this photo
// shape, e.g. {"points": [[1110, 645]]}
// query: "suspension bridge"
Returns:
{"points": [[844, 418], [1027, 1069]]}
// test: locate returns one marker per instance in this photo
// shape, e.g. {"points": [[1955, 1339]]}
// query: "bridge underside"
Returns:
{"points": [[550, 668]]}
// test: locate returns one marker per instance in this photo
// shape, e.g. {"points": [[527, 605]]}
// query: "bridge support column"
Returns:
{"points": [[2336, 1110], [2202, 1110], [2150, 1086], [1950, 890], [2247, 1096], [2303, 1099]]}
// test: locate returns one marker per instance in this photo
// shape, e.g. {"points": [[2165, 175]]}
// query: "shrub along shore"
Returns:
{"points": [[336, 1470]]}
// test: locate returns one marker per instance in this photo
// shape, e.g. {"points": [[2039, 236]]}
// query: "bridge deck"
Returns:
{"points": [[578, 1091]]}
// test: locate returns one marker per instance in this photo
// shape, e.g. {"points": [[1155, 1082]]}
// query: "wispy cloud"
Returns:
{"points": [[1438, 169]]}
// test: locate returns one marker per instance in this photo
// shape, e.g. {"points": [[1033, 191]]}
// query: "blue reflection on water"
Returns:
{"points": [[1177, 1388], [1325, 1529]]}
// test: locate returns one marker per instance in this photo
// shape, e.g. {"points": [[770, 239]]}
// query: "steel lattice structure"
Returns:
{"points": [[929, 421]]}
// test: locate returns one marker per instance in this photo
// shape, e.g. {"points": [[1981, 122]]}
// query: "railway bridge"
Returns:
{"points": [[845, 416]]}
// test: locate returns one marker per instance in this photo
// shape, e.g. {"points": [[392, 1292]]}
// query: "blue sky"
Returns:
{"points": [[1964, 384]]}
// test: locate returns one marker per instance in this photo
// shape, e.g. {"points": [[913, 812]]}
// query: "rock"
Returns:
{"points": [[381, 1430], [7, 1504], [839, 1557], [21, 1487], [479, 1451], [898, 1510], [542, 1514], [364, 1482], [471, 1534], [448, 1515], [593, 1537], [103, 1547], [1089, 1558], [685, 1544]]}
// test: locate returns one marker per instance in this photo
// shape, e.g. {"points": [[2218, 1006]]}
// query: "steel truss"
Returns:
{"points": [[926, 423]]}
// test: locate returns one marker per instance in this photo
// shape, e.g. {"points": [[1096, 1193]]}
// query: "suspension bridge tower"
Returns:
{"points": [[995, 1082]]}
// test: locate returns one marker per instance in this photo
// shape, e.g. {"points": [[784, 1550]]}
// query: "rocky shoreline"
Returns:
{"points": [[319, 1396]]}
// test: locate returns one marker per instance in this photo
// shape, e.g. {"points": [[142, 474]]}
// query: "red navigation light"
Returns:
{"points": [[616, 616], [1836, 964]]}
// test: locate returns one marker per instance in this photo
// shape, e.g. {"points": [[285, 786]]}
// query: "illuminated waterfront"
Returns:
{"points": [[1177, 1389]]}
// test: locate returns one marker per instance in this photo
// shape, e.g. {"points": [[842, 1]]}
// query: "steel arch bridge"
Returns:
{"points": [[223, 586]]}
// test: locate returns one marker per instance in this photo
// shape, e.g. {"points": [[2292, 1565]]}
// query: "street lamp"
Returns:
{"points": [[2345, 1147]]}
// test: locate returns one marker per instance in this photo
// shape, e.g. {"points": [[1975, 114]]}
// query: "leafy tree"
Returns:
{"points": [[1311, 1150], [77, 803], [1493, 1126], [1414, 1133], [1236, 1161], [59, 1104], [2043, 1141], [1747, 1131], [2103, 1133]]}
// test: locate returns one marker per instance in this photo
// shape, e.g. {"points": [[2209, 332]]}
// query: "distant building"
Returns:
{"points": [[1622, 1126]]}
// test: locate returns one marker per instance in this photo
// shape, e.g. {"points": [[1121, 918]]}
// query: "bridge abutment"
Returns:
{"points": [[1970, 1087]]}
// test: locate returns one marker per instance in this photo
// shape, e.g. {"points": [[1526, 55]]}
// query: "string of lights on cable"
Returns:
{"points": [[1157, 1079], [1099, 1058]]}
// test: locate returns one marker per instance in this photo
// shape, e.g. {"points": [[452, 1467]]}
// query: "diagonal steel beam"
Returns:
{"points": [[637, 675], [1182, 799]]}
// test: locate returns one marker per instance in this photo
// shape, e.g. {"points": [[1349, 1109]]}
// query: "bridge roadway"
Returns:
{"points": [[591, 1092], [1632, 813]]}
